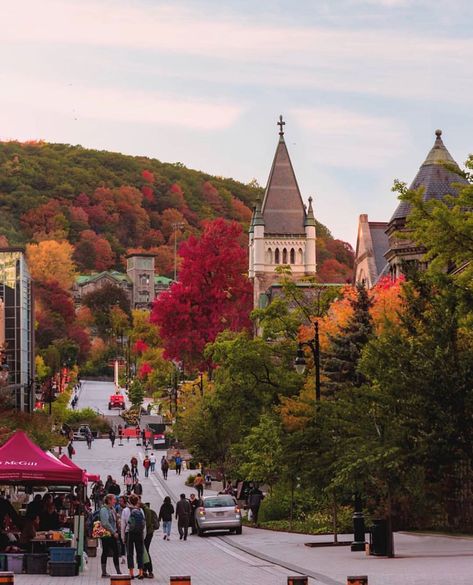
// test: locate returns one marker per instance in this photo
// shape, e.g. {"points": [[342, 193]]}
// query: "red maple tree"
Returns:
{"points": [[213, 294]]}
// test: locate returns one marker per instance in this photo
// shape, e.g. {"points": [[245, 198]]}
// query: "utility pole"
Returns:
{"points": [[176, 226]]}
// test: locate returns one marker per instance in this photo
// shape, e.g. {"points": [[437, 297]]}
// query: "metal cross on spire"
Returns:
{"points": [[281, 123]]}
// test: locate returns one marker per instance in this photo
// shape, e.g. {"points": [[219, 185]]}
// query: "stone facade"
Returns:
{"points": [[140, 284]]}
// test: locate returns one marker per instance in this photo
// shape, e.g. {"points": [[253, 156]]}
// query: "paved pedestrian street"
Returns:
{"points": [[259, 556]]}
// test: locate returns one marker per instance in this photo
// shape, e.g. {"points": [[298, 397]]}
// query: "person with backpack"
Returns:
{"points": [[165, 514], [108, 520], [152, 524], [133, 527], [137, 488], [183, 515]]}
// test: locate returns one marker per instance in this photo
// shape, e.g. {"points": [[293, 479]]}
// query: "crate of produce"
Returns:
{"points": [[36, 564], [92, 542], [92, 551], [64, 569], [15, 562], [58, 554]]}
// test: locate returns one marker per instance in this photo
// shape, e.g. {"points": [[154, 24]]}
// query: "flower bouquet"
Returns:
{"points": [[98, 531]]}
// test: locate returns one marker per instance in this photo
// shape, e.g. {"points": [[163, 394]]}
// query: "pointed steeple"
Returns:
{"points": [[257, 217], [310, 218], [283, 210], [437, 175]]}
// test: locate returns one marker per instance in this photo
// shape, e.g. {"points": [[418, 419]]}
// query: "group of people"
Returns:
{"points": [[43, 513]]}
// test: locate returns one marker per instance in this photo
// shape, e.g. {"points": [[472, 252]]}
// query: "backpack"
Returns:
{"points": [[136, 522], [154, 520]]}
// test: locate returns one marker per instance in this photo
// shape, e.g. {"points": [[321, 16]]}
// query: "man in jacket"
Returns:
{"points": [[183, 515], [255, 498]]}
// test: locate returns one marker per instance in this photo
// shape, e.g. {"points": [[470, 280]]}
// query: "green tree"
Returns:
{"points": [[261, 452], [136, 392], [340, 362]]}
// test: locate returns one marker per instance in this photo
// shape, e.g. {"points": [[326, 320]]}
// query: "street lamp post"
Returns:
{"points": [[300, 362]]}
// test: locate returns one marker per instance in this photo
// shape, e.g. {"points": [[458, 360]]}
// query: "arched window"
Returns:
{"points": [[300, 256], [276, 256], [284, 256], [269, 256], [292, 256]]}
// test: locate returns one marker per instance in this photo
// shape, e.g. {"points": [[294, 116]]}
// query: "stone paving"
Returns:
{"points": [[216, 559]]}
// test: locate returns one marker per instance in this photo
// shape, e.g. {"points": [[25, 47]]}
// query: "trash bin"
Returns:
{"points": [[379, 538]]}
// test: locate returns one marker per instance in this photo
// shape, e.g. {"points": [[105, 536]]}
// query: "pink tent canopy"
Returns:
{"points": [[87, 476], [23, 462]]}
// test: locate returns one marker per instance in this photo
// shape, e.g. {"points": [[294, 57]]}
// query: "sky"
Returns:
{"points": [[361, 84]]}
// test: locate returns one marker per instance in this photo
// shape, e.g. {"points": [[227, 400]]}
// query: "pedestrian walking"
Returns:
{"points": [[199, 485], [152, 524], [255, 497], [166, 513], [120, 433], [112, 436], [164, 466], [146, 465], [70, 449], [178, 461], [133, 533], [152, 460], [119, 507], [108, 483], [183, 516], [195, 504], [134, 468], [108, 520], [89, 438], [98, 494], [128, 482], [125, 470], [137, 488]]}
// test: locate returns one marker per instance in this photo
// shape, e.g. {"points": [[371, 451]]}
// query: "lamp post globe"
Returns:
{"points": [[299, 362]]}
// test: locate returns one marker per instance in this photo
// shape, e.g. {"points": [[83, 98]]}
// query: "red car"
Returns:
{"points": [[116, 401]]}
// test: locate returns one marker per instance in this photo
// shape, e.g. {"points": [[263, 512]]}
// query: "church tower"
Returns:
{"points": [[282, 231], [439, 175]]}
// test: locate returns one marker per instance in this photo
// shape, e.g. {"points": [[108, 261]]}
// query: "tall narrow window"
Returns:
{"points": [[276, 256], [269, 256], [284, 256], [300, 256], [292, 256]]}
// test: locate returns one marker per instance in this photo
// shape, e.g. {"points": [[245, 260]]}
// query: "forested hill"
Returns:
{"points": [[107, 203]]}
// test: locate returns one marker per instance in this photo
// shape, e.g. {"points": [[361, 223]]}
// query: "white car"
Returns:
{"points": [[218, 513]]}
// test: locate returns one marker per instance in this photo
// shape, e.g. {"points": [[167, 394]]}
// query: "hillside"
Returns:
{"points": [[106, 204]]}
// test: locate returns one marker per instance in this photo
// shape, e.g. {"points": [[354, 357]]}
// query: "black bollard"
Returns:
{"points": [[359, 543]]}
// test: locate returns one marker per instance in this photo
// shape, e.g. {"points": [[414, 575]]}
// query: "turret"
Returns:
{"points": [[310, 246]]}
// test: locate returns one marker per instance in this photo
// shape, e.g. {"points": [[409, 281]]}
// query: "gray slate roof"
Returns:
{"points": [[434, 176], [283, 209], [379, 240]]}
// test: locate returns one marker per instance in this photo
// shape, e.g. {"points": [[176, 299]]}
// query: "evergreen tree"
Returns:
{"points": [[340, 363]]}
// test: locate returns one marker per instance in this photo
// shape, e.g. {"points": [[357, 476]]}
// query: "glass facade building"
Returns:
{"points": [[18, 323]]}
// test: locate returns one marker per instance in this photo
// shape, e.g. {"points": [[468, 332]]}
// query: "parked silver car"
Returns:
{"points": [[218, 513]]}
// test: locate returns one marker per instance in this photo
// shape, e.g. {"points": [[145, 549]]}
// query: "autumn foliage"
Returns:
{"points": [[213, 294]]}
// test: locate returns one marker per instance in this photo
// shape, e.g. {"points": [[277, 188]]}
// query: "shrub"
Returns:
{"points": [[190, 479], [275, 507], [87, 416]]}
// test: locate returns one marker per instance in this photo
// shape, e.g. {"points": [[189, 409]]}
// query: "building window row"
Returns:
{"points": [[284, 256]]}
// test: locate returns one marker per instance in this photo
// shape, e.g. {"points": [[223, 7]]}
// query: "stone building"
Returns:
{"points": [[438, 175], [17, 328], [282, 231], [140, 284]]}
